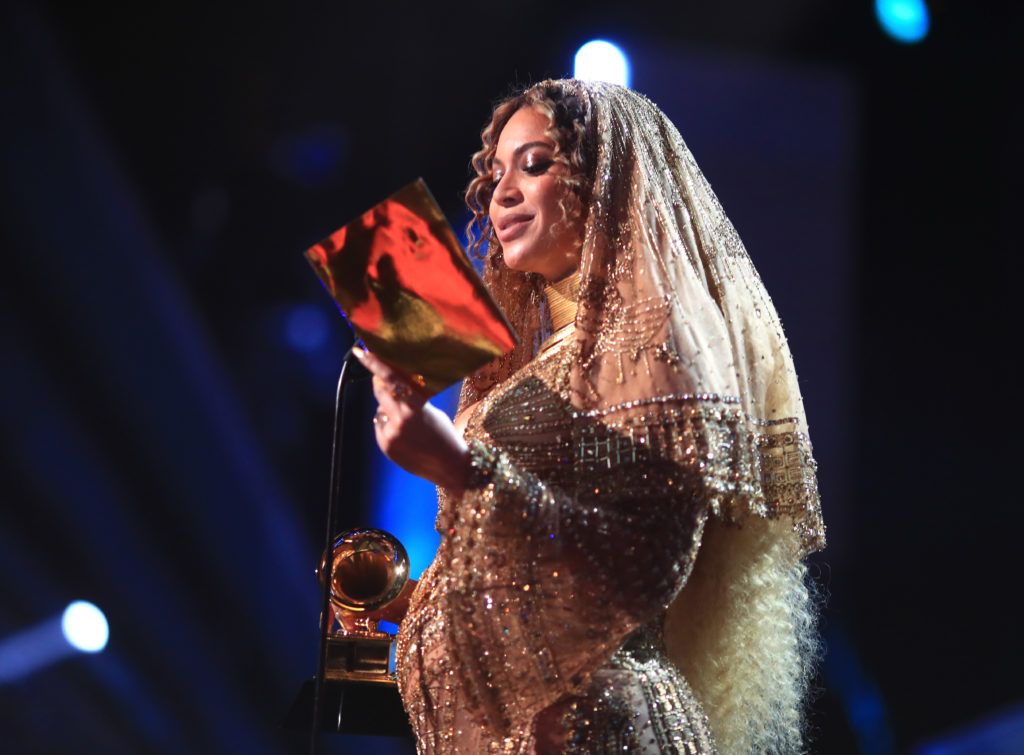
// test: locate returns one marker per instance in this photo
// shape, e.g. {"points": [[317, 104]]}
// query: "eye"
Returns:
{"points": [[536, 167]]}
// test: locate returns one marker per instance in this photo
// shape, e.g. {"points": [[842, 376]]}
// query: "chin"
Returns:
{"points": [[516, 260], [542, 259]]}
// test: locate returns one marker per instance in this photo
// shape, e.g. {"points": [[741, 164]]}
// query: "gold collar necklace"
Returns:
{"points": [[561, 297]]}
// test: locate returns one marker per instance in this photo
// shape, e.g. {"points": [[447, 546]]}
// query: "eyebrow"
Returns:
{"points": [[521, 149]]}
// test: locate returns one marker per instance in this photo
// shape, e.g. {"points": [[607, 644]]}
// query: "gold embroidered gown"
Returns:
{"points": [[505, 621], [597, 463]]}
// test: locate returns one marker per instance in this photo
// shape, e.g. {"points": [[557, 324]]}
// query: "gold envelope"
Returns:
{"points": [[403, 282]]}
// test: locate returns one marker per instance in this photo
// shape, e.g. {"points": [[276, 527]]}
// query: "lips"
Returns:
{"points": [[510, 226]]}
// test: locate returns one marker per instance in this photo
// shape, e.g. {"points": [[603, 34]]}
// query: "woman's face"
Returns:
{"points": [[525, 207]]}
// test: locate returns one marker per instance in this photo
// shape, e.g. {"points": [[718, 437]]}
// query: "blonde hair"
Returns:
{"points": [[743, 631]]}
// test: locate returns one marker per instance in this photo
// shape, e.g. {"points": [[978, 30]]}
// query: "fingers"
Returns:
{"points": [[398, 400], [374, 364], [398, 390], [390, 382]]}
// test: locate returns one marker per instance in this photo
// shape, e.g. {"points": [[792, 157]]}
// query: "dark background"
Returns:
{"points": [[169, 360]]}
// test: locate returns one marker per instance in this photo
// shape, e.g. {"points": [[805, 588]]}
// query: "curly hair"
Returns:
{"points": [[743, 629], [744, 633], [518, 293], [568, 121]]}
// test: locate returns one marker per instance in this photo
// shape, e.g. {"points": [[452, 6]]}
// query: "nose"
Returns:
{"points": [[506, 192]]}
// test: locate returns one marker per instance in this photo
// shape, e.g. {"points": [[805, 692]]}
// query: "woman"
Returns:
{"points": [[625, 513]]}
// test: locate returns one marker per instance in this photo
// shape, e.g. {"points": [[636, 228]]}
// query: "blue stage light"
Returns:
{"points": [[85, 627], [405, 505], [858, 693], [599, 60], [310, 158], [306, 328], [903, 20], [999, 733], [82, 628]]}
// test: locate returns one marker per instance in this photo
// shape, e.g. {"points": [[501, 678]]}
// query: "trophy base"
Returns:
{"points": [[359, 658]]}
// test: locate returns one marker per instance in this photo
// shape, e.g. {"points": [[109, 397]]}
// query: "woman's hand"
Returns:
{"points": [[411, 431]]}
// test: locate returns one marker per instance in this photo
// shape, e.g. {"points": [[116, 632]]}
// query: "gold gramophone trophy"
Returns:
{"points": [[411, 294], [369, 575]]}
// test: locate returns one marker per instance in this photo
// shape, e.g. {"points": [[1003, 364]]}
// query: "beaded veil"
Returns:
{"points": [[671, 309], [597, 467]]}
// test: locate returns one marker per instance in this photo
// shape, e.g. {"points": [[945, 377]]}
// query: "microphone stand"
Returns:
{"points": [[351, 370]]}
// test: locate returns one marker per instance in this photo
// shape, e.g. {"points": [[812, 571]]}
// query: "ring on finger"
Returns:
{"points": [[399, 391]]}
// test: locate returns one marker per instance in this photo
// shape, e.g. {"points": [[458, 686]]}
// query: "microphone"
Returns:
{"points": [[355, 368]]}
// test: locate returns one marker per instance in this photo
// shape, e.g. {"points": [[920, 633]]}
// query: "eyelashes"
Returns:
{"points": [[537, 168]]}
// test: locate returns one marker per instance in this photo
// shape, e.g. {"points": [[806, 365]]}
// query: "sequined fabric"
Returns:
{"points": [[597, 464], [669, 305], [538, 626]]}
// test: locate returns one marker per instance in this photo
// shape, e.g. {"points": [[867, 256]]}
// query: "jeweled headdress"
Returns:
{"points": [[672, 311]]}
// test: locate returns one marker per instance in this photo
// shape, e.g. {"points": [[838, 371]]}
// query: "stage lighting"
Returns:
{"points": [[903, 20], [85, 627], [311, 158], [82, 628], [599, 60], [406, 505], [306, 328]]}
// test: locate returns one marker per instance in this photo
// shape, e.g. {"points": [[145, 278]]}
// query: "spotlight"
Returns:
{"points": [[85, 627], [903, 20], [599, 60], [82, 628]]}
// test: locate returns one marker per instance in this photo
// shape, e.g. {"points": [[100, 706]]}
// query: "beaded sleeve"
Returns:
{"points": [[597, 465], [549, 579]]}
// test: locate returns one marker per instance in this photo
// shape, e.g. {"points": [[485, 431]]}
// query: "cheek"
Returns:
{"points": [[548, 199]]}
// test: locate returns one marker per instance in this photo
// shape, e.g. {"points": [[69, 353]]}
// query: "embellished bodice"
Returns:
{"points": [[597, 465], [538, 628]]}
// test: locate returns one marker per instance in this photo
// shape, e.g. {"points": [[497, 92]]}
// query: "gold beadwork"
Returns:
{"points": [[535, 535], [597, 460], [561, 298]]}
